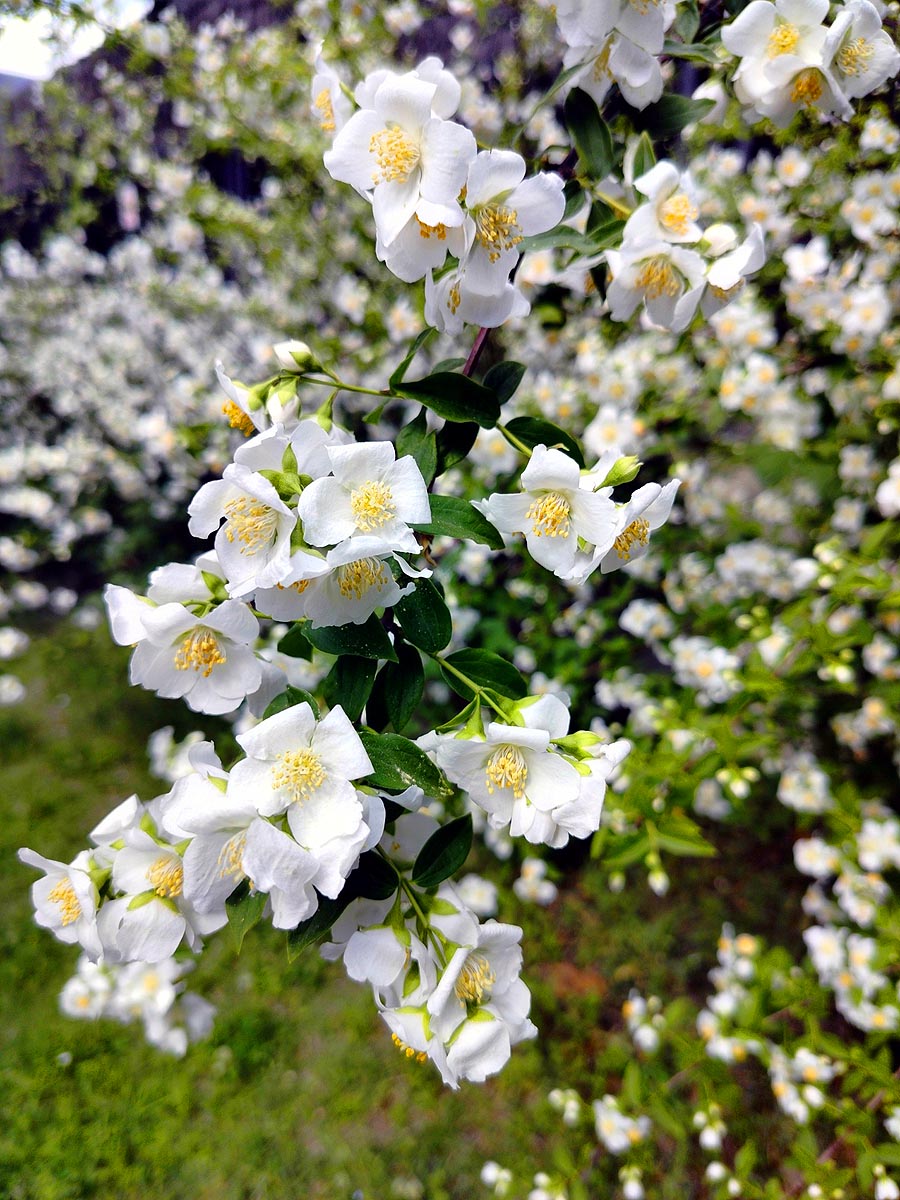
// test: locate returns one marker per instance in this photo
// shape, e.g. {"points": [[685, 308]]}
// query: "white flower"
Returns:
{"points": [[671, 209], [647, 510], [65, 900], [859, 53], [726, 274], [330, 106], [668, 279], [452, 302]]}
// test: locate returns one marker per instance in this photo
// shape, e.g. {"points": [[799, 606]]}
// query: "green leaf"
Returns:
{"points": [[534, 431], [691, 51], [454, 442], [288, 698], [418, 342], [455, 397], [365, 641], [686, 847], [424, 617], [668, 116], [644, 156], [402, 684], [349, 683], [294, 643], [486, 670], [244, 910], [397, 763], [454, 517], [631, 849], [687, 22], [592, 137], [444, 853], [415, 440], [315, 927], [374, 878], [562, 237], [504, 378]]}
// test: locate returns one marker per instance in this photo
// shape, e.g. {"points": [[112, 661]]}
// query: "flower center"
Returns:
{"points": [[726, 294], [238, 419], [497, 229], [454, 299], [167, 876], [231, 856], [507, 768], [200, 650], [63, 894], [326, 111], [807, 88], [251, 522], [372, 505], [300, 772], [657, 277], [637, 531], [550, 515], [429, 231], [299, 587], [419, 1055], [677, 212], [601, 64], [396, 154], [356, 578], [475, 979], [853, 58], [782, 40]]}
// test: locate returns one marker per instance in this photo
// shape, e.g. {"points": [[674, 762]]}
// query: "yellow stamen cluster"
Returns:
{"points": [[238, 419], [63, 894], [507, 768], [807, 89], [454, 299], [323, 103], [167, 876], [419, 1055], [782, 40], [251, 522], [372, 505], [677, 212], [429, 231], [550, 515], [601, 64], [300, 772], [727, 294], [643, 6], [231, 856], [299, 587], [396, 153], [200, 650], [637, 531], [657, 277], [475, 979], [853, 57], [497, 229], [355, 579]]}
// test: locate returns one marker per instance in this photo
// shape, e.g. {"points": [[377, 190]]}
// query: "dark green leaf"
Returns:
{"points": [[392, 810], [288, 698], [349, 683], [449, 364], [415, 440], [575, 199], [419, 341], [425, 618], [455, 397], [534, 431], [444, 853], [294, 644], [692, 51], [668, 116], [454, 442], [244, 910], [562, 237], [687, 22], [504, 378], [366, 641], [315, 927], [454, 517], [403, 683], [486, 670], [374, 878], [398, 763], [644, 156], [591, 135]]}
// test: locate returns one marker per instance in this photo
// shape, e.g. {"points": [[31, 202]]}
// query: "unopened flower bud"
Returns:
{"points": [[296, 357]]}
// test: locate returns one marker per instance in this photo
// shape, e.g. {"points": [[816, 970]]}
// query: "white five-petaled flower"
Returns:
{"points": [[410, 161], [65, 900], [557, 508], [857, 52], [647, 510], [371, 492], [669, 279], [671, 211]]}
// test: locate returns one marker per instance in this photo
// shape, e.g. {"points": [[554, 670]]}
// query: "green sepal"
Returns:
{"points": [[623, 470], [216, 586]]}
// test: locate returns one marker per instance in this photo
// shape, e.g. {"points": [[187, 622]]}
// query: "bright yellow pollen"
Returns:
{"points": [[323, 103], [507, 768], [677, 212], [429, 231], [550, 515], [854, 56], [637, 531], [167, 876], [657, 278], [372, 505], [783, 40], [200, 650], [300, 772], [419, 1055], [299, 587], [475, 978], [355, 579], [231, 856], [251, 522], [63, 894], [497, 229], [396, 153], [454, 299], [807, 88], [238, 419]]}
